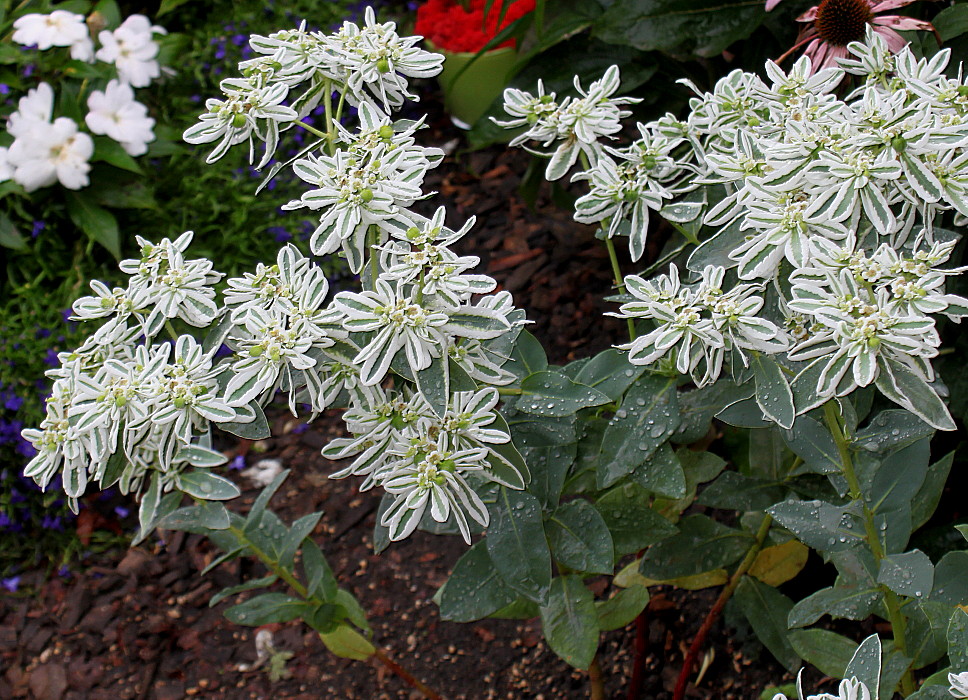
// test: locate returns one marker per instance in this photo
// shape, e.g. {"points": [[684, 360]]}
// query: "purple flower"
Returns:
{"points": [[5, 520], [51, 523], [4, 89], [13, 403], [50, 357], [11, 584], [280, 233], [239, 39], [64, 572], [28, 70], [121, 511], [301, 428], [238, 462], [37, 228]]}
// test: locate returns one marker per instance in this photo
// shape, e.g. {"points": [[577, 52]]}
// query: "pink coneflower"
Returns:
{"points": [[835, 23]]}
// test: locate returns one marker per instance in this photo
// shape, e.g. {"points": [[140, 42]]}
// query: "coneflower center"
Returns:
{"points": [[840, 22]]}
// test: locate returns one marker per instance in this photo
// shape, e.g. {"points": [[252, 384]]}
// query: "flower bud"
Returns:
{"points": [[366, 195]]}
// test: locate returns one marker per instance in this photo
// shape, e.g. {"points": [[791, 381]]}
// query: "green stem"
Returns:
{"points": [[171, 329], [619, 280], [595, 680], [287, 576], [838, 430], [372, 236], [312, 130], [686, 234], [342, 101], [330, 129], [509, 390]]}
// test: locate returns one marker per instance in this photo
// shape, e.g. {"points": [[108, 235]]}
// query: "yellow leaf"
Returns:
{"points": [[630, 576], [347, 642], [780, 563]]}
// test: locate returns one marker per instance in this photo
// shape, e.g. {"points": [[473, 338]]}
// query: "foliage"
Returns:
{"points": [[801, 308]]}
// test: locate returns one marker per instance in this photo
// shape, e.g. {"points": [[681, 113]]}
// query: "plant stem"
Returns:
{"points": [[638, 658], [328, 103], [619, 280], [372, 236], [718, 606], [831, 414], [303, 593], [509, 390], [311, 129], [595, 680], [342, 100], [408, 678]]}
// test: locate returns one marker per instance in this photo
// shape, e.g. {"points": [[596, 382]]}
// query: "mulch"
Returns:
{"points": [[136, 623]]}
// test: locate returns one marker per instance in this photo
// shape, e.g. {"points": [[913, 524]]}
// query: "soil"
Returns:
{"points": [[136, 623]]}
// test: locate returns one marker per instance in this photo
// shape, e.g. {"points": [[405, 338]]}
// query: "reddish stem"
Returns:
{"points": [[638, 659], [409, 679], [717, 609]]}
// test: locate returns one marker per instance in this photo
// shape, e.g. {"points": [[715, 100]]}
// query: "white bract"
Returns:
{"points": [[959, 684]]}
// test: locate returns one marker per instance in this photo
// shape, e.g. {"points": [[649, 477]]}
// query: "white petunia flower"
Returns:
{"points": [[49, 153], [116, 114], [132, 49], [59, 28]]}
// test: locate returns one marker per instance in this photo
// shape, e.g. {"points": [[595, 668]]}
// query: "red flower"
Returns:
{"points": [[449, 26]]}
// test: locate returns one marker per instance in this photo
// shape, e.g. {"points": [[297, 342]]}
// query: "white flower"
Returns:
{"points": [[34, 109], [59, 28], [132, 49], [6, 170], [378, 59], [117, 114], [959, 684], [48, 153], [251, 108]]}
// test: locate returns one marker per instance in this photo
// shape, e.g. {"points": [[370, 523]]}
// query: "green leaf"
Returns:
{"points": [[110, 11], [958, 639], [820, 525], [474, 589], [517, 544], [10, 237], [734, 491], [622, 608], [98, 223], [773, 394], [926, 500], [527, 356], [963, 529], [267, 608], [845, 600], [300, 530], [610, 373], [149, 506], [434, 384], [701, 545], [580, 538], [256, 429], [108, 150], [648, 417], [698, 406], [320, 580], [951, 579], [767, 609], [258, 509], [553, 394], [548, 466], [169, 5], [828, 651], [662, 474], [199, 519], [570, 621], [207, 486], [951, 22], [347, 643], [865, 665], [891, 430], [910, 574], [679, 27], [632, 523], [812, 442], [902, 386], [242, 587]]}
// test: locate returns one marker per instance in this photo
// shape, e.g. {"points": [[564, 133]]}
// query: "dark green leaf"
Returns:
{"points": [[910, 574], [580, 538], [773, 394], [207, 486], [820, 525], [108, 150], [300, 530], [474, 589], [648, 417], [662, 474], [554, 394], [957, 636], [734, 491], [548, 466], [701, 545], [891, 430], [258, 509], [320, 580], [267, 608], [767, 609], [10, 237], [98, 223], [570, 621], [247, 586], [517, 545], [527, 356], [850, 601], [828, 651], [257, 429], [951, 22], [632, 523], [865, 665], [622, 608], [609, 372]]}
